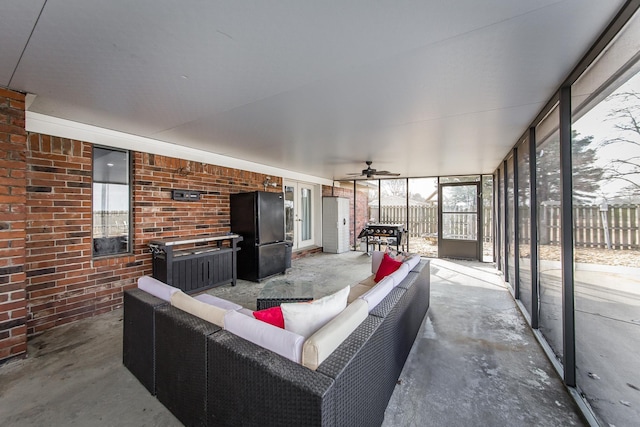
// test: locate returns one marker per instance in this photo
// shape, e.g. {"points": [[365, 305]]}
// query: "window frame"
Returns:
{"points": [[129, 233]]}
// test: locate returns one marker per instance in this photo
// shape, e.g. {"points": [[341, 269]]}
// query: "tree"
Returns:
{"points": [[393, 187], [626, 116], [586, 175]]}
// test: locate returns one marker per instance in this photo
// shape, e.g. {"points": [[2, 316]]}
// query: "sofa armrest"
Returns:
{"points": [[138, 335], [363, 379], [250, 385], [181, 360]]}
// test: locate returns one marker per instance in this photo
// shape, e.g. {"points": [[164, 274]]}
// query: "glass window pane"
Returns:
{"points": [[461, 198], [460, 226], [374, 200], [510, 221], [606, 214], [487, 218], [110, 166], [423, 216], [393, 198], [549, 209], [305, 214], [462, 178], [289, 218], [501, 221], [361, 211], [524, 226], [111, 202]]}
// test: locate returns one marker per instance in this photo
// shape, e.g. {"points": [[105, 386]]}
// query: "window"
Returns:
{"points": [[111, 202]]}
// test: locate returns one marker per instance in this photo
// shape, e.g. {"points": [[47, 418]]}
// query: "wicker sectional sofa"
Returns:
{"points": [[206, 375]]}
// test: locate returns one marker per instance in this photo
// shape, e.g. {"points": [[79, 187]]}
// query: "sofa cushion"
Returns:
{"points": [[376, 294], [271, 315], [356, 291], [156, 288], [207, 312], [369, 282], [322, 343], [399, 275], [412, 261], [218, 302], [305, 318], [285, 343], [387, 266]]}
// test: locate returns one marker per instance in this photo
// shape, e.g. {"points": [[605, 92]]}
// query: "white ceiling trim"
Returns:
{"points": [[48, 125]]}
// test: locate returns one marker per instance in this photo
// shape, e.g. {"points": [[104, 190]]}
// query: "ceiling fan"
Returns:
{"points": [[369, 172]]}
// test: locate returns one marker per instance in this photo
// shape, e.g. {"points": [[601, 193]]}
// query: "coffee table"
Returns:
{"points": [[276, 292]]}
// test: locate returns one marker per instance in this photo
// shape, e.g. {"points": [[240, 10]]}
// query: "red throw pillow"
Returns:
{"points": [[272, 315], [387, 266]]}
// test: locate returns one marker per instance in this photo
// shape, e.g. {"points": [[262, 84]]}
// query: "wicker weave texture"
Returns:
{"points": [[262, 303], [138, 338], [363, 381], [181, 364], [251, 386]]}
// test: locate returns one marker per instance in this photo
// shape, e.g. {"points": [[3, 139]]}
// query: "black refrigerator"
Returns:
{"points": [[258, 217]]}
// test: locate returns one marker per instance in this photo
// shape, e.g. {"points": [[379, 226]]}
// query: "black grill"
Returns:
{"points": [[389, 234]]}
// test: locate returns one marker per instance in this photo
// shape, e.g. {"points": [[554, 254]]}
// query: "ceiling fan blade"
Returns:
{"points": [[370, 172]]}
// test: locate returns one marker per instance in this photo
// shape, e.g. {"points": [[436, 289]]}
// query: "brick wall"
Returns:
{"points": [[13, 313], [64, 282]]}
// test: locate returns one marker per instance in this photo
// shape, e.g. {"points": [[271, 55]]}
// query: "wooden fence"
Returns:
{"points": [[616, 227], [423, 221]]}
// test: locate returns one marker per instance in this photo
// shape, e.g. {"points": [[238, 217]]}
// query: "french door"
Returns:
{"points": [[299, 214]]}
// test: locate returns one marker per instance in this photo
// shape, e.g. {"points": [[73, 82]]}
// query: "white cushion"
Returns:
{"points": [[376, 259], [218, 302], [285, 343], [307, 317], [156, 288], [207, 312], [376, 294], [326, 339], [369, 282], [412, 261], [399, 275], [356, 291]]}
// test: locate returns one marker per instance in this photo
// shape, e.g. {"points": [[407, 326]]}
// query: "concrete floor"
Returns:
{"points": [[475, 362]]}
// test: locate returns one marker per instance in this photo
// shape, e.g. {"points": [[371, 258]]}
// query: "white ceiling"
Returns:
{"points": [[422, 88]]}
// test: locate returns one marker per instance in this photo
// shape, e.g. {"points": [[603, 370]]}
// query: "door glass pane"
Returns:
{"points": [[606, 220], [305, 214], [289, 214], [459, 212], [524, 225], [423, 216], [549, 209]]}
